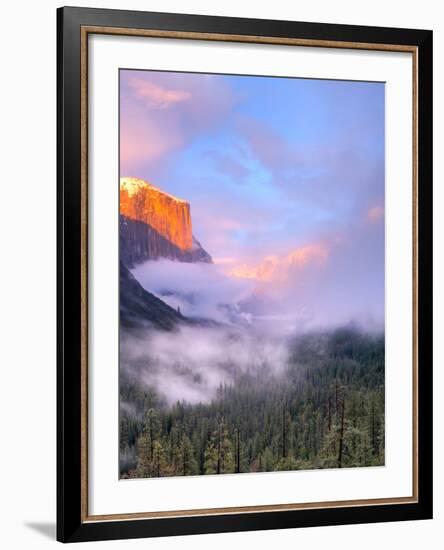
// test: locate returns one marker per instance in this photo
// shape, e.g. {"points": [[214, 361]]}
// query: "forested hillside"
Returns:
{"points": [[326, 410]]}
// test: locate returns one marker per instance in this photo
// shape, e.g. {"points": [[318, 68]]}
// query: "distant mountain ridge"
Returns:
{"points": [[155, 224]]}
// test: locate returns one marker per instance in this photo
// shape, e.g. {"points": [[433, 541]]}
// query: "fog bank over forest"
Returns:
{"points": [[192, 363], [224, 400], [245, 324]]}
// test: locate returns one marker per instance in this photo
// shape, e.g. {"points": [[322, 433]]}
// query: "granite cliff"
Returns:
{"points": [[155, 224]]}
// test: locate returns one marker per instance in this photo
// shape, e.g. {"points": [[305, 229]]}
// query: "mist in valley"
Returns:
{"points": [[244, 326], [243, 386]]}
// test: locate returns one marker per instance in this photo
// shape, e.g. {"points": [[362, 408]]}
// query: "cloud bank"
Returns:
{"points": [[200, 290], [319, 285]]}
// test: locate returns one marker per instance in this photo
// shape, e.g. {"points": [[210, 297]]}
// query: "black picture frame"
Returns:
{"points": [[71, 524]]}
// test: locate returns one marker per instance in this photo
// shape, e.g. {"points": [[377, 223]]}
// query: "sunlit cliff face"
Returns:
{"points": [[168, 215]]}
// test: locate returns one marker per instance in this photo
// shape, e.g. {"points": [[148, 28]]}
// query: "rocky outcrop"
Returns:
{"points": [[141, 309], [154, 224]]}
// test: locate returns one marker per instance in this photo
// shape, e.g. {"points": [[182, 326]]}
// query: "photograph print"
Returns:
{"points": [[252, 260]]}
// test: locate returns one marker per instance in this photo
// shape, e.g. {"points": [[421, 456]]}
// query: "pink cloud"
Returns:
{"points": [[375, 213], [161, 112], [278, 268], [157, 96], [146, 142]]}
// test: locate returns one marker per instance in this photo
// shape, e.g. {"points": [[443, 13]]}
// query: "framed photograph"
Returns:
{"points": [[244, 274]]}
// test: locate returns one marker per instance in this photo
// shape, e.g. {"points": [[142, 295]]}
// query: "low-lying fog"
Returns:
{"points": [[256, 323], [192, 362]]}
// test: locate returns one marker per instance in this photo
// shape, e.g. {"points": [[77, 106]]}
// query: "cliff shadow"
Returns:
{"points": [[139, 242]]}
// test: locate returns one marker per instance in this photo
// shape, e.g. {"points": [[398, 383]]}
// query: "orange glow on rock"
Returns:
{"points": [[167, 214]]}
